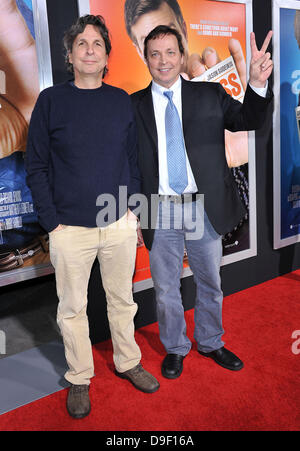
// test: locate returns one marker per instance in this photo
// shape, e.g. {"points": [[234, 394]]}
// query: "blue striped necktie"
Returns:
{"points": [[176, 159]]}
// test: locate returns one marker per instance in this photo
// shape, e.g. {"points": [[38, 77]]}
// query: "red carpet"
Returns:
{"points": [[264, 396]]}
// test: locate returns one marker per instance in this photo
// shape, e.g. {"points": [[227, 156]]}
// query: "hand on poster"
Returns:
{"points": [[197, 64], [261, 65], [236, 144], [19, 76]]}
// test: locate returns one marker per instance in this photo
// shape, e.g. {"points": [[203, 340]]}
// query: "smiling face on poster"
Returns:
{"points": [[139, 25]]}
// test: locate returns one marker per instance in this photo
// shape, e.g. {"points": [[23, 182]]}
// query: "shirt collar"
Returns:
{"points": [[160, 89]]}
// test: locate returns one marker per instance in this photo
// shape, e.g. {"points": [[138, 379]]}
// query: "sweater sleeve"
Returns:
{"points": [[37, 163], [132, 143]]}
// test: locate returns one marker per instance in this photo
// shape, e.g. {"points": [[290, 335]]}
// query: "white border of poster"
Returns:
{"points": [[277, 194], [252, 250], [45, 79], [84, 8], [40, 18]]}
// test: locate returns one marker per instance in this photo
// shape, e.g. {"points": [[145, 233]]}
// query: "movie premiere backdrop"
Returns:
{"points": [[24, 71], [286, 129], [214, 24]]}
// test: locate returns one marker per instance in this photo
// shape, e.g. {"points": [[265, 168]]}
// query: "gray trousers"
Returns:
{"points": [[174, 233]]}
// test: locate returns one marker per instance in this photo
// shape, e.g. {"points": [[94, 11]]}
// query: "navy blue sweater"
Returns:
{"points": [[81, 143]]}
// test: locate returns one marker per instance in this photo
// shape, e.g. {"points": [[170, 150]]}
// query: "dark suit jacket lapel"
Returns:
{"points": [[146, 111], [188, 108]]}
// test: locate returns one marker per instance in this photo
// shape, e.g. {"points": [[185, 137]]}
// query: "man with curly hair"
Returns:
{"points": [[82, 143]]}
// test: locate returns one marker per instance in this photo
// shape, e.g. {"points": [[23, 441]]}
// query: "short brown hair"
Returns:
{"points": [[162, 30]]}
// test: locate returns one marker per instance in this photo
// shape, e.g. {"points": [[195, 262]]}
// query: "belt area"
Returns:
{"points": [[15, 258], [180, 198]]}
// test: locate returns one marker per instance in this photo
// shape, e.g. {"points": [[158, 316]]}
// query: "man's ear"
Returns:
{"points": [[184, 29], [69, 55]]}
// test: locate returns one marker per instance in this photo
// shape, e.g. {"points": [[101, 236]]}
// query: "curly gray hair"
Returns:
{"points": [[79, 27]]}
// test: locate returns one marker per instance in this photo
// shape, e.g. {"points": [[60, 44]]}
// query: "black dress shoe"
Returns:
{"points": [[172, 366], [225, 358]]}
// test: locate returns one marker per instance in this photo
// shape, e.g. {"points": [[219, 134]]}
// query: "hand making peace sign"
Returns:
{"points": [[261, 65]]}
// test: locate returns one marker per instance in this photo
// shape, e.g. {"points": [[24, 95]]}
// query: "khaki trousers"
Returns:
{"points": [[73, 251]]}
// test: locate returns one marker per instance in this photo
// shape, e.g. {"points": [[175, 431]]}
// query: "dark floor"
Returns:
{"points": [[28, 315]]}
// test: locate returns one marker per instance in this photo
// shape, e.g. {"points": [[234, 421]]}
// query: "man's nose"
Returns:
{"points": [[90, 49], [162, 59]]}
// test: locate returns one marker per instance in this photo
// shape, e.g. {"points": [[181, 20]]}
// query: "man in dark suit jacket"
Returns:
{"points": [[204, 111]]}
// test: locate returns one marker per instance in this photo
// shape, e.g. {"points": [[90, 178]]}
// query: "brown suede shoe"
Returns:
{"points": [[78, 402], [140, 378]]}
